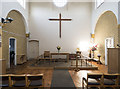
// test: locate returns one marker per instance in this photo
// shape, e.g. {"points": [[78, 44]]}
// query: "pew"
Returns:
{"points": [[4, 81], [110, 80], [92, 80], [118, 81], [18, 80], [22, 81], [35, 80], [101, 80]]}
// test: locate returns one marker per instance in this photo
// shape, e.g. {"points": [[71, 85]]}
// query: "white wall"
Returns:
{"points": [[0, 8], [74, 33], [0, 11], [119, 12], [7, 5], [106, 6]]}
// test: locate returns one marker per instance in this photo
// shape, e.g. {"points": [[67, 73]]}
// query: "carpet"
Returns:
{"points": [[62, 80]]}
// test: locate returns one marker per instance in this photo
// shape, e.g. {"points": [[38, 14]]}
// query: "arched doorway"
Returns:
{"points": [[12, 51], [106, 28], [16, 30]]}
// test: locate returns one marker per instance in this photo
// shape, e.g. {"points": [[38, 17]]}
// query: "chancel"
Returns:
{"points": [[83, 54]]}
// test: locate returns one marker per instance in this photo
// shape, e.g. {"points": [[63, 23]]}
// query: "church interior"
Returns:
{"points": [[53, 44]]}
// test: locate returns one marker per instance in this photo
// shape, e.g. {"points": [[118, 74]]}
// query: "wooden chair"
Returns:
{"points": [[46, 54], [92, 80], [35, 81], [110, 80], [4, 81], [44, 57], [19, 80], [118, 81]]}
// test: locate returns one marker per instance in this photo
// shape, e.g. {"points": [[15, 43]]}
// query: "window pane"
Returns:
{"points": [[99, 2], [22, 3]]}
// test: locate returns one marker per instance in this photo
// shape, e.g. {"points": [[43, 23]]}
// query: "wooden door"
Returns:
{"points": [[33, 49]]}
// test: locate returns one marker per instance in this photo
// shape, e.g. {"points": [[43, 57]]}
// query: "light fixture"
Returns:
{"points": [[6, 20], [28, 35], [60, 3], [92, 35]]}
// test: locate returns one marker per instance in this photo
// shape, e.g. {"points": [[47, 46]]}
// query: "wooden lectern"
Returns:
{"points": [[113, 60]]}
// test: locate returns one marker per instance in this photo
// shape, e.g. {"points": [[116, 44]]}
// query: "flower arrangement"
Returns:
{"points": [[94, 48], [58, 48]]}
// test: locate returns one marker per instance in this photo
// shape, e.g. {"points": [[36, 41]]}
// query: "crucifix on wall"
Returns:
{"points": [[60, 20]]}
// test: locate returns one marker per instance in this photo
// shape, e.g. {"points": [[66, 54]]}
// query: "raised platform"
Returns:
{"points": [[61, 64]]}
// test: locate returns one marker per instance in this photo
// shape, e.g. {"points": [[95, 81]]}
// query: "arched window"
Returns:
{"points": [[60, 3], [22, 3], [99, 3]]}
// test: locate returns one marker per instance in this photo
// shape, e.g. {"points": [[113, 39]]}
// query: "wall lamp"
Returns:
{"points": [[6, 20]]}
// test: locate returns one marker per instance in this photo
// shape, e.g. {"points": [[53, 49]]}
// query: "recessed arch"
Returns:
{"points": [[23, 18], [16, 29], [99, 15], [104, 12], [106, 27]]}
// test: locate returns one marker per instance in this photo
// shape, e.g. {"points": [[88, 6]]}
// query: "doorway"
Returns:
{"points": [[12, 51], [109, 43], [33, 51]]}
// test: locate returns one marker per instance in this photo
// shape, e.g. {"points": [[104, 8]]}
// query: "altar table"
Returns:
{"points": [[67, 55]]}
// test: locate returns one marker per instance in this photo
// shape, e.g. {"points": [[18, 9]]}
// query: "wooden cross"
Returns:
{"points": [[60, 20]]}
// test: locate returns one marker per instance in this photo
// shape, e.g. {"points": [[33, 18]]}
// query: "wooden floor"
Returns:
{"points": [[76, 76]]}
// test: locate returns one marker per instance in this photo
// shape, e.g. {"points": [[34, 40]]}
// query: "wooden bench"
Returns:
{"points": [[18, 80], [118, 80], [101, 80], [92, 80], [22, 81], [110, 80], [34, 81], [4, 80]]}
